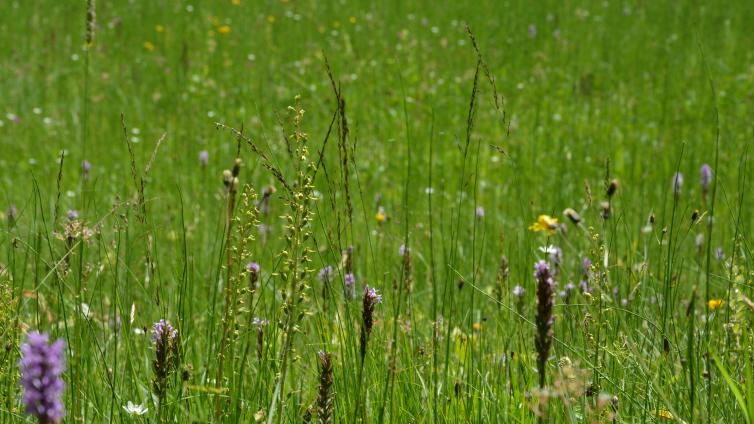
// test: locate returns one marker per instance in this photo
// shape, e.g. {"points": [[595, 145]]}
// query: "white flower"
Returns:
{"points": [[85, 311], [548, 249], [132, 409]]}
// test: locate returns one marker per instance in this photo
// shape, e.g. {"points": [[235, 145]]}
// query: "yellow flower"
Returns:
{"points": [[665, 414], [271, 19], [149, 46], [476, 326], [713, 304], [236, 2], [545, 223], [352, 19], [380, 216], [159, 28], [225, 29]]}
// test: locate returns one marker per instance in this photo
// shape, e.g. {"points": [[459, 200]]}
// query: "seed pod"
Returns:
{"points": [[612, 188], [572, 215]]}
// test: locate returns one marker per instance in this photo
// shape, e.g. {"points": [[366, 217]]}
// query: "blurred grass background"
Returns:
{"points": [[584, 83]]}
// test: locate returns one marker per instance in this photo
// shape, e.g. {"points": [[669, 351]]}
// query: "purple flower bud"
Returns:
{"points": [[479, 212], [556, 257], [85, 168], [350, 286], [163, 330], [73, 215], [253, 269], [12, 212], [720, 253], [402, 250], [326, 274], [532, 31], [258, 322], [586, 268], [370, 293], [542, 271], [518, 291], [41, 366], [203, 158], [584, 286], [166, 346], [706, 178]]}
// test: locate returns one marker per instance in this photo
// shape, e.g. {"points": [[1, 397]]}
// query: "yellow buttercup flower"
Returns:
{"points": [[149, 46], [380, 216], [665, 414], [225, 29], [236, 2], [159, 28], [545, 223], [713, 304]]}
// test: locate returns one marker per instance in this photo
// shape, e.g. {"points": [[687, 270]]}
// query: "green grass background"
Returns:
{"points": [[637, 85]]}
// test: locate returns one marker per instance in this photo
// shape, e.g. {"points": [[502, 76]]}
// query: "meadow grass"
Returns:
{"points": [[252, 168]]}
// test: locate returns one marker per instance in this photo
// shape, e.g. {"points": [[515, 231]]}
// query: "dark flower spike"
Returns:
{"points": [[612, 188], [545, 318], [371, 298], [166, 343], [324, 395]]}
